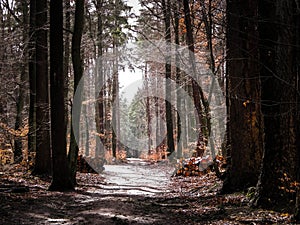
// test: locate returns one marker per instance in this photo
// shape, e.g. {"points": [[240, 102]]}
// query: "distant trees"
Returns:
{"points": [[260, 80], [194, 25], [13, 75]]}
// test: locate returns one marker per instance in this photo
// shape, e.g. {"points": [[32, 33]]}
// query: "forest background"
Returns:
{"points": [[250, 47]]}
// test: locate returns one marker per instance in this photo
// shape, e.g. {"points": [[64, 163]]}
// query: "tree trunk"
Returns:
{"points": [[61, 179], [278, 74], [148, 113], [43, 151], [178, 80], [297, 24], [78, 72], [169, 117], [67, 58], [245, 119], [100, 81], [115, 107], [198, 96], [22, 87], [32, 78]]}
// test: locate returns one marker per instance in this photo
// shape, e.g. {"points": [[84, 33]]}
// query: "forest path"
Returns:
{"points": [[137, 192], [137, 177]]}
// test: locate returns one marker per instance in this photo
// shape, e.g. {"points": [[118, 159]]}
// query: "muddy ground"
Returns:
{"points": [[131, 193]]}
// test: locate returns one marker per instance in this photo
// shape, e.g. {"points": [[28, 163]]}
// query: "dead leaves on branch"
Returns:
{"points": [[198, 166], [22, 132]]}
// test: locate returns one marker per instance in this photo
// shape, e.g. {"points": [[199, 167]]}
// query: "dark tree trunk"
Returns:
{"points": [[32, 78], [245, 118], [78, 71], [199, 100], [178, 79], [61, 179], [277, 52], [297, 210], [169, 116], [22, 87], [297, 24], [43, 152], [115, 108], [148, 113], [67, 57], [100, 81]]}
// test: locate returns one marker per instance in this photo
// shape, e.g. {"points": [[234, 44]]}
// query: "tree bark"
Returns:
{"points": [[78, 72], [277, 51], [297, 87], [200, 103], [169, 116], [43, 151], [148, 112], [32, 78], [22, 87], [67, 57], [100, 81], [115, 102], [245, 118], [61, 179], [178, 79]]}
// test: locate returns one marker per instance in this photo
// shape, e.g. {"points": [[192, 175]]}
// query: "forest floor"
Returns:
{"points": [[133, 193]]}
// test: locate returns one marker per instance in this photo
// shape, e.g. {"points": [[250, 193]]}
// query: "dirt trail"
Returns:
{"points": [[133, 193], [137, 178]]}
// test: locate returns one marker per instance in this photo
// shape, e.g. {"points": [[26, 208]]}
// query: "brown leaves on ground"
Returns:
{"points": [[190, 200]]}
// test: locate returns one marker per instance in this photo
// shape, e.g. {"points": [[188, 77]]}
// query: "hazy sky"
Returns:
{"points": [[128, 78]]}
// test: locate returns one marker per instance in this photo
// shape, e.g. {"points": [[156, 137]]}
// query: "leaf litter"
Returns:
{"points": [[183, 200]]}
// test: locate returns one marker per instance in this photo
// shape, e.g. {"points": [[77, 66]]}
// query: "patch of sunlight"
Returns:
{"points": [[58, 221], [128, 190], [128, 218], [51, 221]]}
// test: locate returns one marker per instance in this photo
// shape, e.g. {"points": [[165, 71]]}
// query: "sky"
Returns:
{"points": [[129, 79]]}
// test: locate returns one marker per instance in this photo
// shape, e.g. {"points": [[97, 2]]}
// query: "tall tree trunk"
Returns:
{"points": [[61, 179], [22, 87], [178, 80], [115, 86], [200, 103], [169, 117], [32, 78], [78, 72], [277, 51], [43, 151], [100, 81], [115, 102], [148, 113], [297, 24], [245, 118], [67, 57]]}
